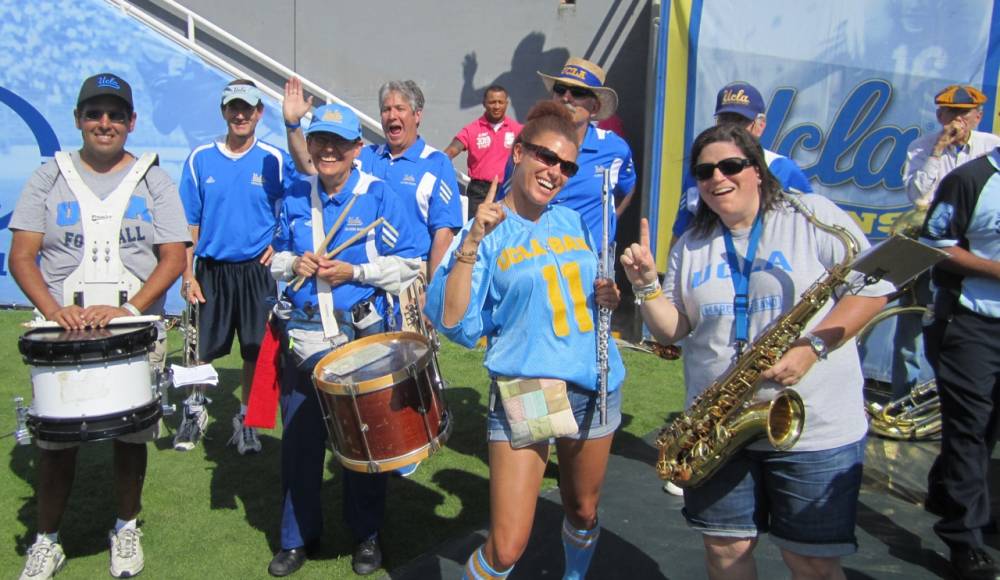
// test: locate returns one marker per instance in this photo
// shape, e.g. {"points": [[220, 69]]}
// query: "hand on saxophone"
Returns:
{"points": [[638, 260], [794, 365]]}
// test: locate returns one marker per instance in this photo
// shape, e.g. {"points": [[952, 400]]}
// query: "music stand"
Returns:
{"points": [[898, 260]]}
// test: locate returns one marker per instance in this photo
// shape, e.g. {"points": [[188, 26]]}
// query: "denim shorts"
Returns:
{"points": [[806, 500], [585, 409]]}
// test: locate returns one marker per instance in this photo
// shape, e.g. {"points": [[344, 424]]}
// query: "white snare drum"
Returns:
{"points": [[90, 384]]}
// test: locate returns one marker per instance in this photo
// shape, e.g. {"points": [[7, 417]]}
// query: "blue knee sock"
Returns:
{"points": [[477, 568], [578, 545]]}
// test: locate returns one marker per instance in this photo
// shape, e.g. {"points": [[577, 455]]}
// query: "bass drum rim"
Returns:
{"points": [[873, 408]]}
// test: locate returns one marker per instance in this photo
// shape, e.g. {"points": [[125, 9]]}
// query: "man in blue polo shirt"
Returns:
{"points": [[422, 176], [579, 86], [740, 103], [230, 189], [343, 298]]}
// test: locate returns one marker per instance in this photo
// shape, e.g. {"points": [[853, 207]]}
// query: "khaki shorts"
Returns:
{"points": [[156, 360]]}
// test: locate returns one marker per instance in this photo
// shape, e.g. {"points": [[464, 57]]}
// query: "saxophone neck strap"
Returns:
{"points": [[740, 275]]}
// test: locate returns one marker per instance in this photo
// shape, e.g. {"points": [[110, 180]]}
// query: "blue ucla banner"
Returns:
{"points": [[48, 48], [848, 84]]}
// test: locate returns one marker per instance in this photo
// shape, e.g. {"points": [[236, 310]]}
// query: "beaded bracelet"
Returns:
{"points": [[648, 292], [465, 257]]}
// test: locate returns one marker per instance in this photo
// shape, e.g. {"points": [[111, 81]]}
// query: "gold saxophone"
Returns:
{"points": [[724, 418]]}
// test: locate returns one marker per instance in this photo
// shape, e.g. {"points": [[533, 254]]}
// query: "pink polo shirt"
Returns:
{"points": [[488, 148]]}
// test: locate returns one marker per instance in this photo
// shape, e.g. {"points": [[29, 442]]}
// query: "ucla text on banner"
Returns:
{"points": [[848, 84]]}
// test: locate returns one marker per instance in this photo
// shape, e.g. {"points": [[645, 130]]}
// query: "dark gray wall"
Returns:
{"points": [[351, 48]]}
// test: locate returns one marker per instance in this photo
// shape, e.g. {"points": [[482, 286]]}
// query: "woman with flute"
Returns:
{"points": [[524, 274]]}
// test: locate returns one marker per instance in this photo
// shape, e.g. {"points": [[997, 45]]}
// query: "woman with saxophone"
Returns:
{"points": [[740, 268], [524, 274]]}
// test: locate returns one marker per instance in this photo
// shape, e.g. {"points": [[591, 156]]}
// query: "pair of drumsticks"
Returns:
{"points": [[299, 280]]}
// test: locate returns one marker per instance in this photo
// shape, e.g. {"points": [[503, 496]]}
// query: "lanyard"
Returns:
{"points": [[740, 275]]}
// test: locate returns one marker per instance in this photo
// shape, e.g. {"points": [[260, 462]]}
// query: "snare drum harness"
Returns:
{"points": [[101, 277]]}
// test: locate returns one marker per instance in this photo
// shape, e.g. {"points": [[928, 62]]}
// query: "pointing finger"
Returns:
{"points": [[492, 192], [644, 233]]}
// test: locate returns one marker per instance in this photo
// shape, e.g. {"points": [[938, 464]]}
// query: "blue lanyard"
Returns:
{"points": [[740, 274]]}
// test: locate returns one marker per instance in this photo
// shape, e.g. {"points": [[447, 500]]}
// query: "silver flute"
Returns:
{"points": [[605, 269]]}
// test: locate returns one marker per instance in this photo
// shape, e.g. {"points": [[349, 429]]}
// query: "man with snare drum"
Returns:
{"points": [[53, 226]]}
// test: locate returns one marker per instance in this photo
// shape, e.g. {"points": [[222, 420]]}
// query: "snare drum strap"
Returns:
{"points": [[101, 277], [324, 294]]}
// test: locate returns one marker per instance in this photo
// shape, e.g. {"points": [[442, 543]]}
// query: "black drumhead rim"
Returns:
{"points": [[125, 345]]}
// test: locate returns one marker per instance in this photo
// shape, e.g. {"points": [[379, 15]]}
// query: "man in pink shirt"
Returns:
{"points": [[488, 140]]}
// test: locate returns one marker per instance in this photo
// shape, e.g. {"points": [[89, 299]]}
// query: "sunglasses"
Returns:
{"points": [[577, 92], [548, 158], [728, 167], [114, 115]]}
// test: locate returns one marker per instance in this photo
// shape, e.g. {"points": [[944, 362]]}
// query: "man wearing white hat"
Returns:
{"points": [[230, 189]]}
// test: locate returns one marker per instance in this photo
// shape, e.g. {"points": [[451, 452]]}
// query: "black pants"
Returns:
{"points": [[236, 302], [964, 349], [476, 192]]}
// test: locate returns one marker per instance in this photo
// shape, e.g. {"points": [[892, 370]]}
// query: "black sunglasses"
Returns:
{"points": [[577, 92], [728, 167], [114, 115], [549, 158]]}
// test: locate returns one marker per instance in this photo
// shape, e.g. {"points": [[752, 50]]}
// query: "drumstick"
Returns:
{"points": [[112, 322], [336, 224], [299, 280]]}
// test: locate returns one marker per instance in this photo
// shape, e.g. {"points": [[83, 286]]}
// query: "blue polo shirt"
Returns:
{"points": [[601, 149], [375, 199], [232, 198], [424, 180]]}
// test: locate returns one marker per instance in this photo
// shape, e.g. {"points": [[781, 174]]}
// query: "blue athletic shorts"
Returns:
{"points": [[584, 403], [806, 500]]}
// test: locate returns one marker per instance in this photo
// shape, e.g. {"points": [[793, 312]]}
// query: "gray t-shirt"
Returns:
{"points": [[791, 256], [154, 215]]}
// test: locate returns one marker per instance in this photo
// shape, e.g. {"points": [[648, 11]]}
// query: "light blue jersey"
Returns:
{"points": [[532, 295], [394, 237], [232, 198], [424, 180]]}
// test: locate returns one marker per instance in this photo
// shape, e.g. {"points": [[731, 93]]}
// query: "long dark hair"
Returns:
{"points": [[770, 188]]}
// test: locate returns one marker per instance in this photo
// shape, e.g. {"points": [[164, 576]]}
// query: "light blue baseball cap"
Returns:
{"points": [[246, 93], [336, 119]]}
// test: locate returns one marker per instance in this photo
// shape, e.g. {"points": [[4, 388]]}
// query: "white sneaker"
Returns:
{"points": [[192, 427], [45, 558], [672, 489], [126, 552], [245, 438]]}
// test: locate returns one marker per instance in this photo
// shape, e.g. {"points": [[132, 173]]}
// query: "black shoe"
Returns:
{"points": [[367, 557], [974, 564], [287, 562]]}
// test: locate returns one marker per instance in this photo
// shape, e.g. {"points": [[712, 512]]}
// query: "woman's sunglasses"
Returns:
{"points": [[549, 158], [577, 92], [728, 167]]}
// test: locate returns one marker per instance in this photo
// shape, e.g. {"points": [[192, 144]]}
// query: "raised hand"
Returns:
{"points": [[295, 105], [469, 66], [489, 215], [638, 260]]}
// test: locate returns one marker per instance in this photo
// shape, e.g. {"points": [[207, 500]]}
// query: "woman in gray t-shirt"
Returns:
{"points": [[805, 498]]}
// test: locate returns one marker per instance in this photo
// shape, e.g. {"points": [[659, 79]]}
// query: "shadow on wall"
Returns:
{"points": [[522, 84]]}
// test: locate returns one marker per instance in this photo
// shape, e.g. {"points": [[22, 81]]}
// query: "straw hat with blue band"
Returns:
{"points": [[578, 72]]}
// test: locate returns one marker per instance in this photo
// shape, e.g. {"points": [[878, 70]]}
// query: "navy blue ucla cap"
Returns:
{"points": [[105, 84], [741, 98]]}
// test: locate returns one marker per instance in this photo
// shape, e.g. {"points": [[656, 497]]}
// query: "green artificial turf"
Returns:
{"points": [[211, 513]]}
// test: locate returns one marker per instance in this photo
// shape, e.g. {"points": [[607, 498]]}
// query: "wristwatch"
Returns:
{"points": [[818, 345]]}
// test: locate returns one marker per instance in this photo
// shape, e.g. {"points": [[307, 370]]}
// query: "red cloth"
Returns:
{"points": [[263, 404]]}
